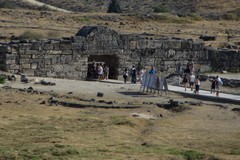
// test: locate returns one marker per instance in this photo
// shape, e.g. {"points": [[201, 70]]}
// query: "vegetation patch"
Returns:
{"points": [[121, 121], [187, 154], [31, 35], [160, 9], [2, 80]]}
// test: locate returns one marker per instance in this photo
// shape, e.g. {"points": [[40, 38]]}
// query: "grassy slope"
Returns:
{"points": [[53, 132]]}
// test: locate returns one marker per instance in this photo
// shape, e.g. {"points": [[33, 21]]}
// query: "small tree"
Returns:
{"points": [[114, 7]]}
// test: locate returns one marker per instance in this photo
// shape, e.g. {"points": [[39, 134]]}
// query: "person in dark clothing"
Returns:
{"points": [[134, 75], [213, 82]]}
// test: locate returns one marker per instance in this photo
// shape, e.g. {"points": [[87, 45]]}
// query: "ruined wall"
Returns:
{"points": [[50, 58], [69, 57]]}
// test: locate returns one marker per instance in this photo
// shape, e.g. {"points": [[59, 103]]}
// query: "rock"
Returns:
{"points": [[24, 78], [225, 72], [99, 94], [11, 78], [207, 37], [43, 102], [236, 110]]}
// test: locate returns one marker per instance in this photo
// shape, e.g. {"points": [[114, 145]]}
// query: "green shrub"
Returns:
{"points": [[231, 16], [114, 7], [195, 17], [31, 35], [160, 9], [6, 5], [2, 80]]}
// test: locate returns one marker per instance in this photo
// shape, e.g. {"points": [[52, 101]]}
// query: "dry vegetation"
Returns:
{"points": [[48, 24], [31, 130]]}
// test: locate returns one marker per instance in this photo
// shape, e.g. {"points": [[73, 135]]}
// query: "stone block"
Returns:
{"points": [[36, 46], [14, 67], [154, 44], [34, 65], [5, 49], [171, 44], [66, 45], [67, 52], [186, 45], [79, 39], [27, 51], [47, 46], [24, 61], [10, 61], [142, 44], [77, 46], [198, 46], [25, 66]]}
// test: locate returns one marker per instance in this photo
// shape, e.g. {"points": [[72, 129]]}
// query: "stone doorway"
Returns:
{"points": [[112, 61]]}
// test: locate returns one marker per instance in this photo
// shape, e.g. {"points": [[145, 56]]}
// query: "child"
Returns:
{"points": [[197, 85]]}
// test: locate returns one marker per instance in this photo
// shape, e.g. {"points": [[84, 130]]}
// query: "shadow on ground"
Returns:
{"points": [[136, 94]]}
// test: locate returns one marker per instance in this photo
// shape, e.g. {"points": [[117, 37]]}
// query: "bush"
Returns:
{"points": [[114, 7], [30, 35], [160, 9], [231, 16], [2, 80], [195, 17], [6, 5]]}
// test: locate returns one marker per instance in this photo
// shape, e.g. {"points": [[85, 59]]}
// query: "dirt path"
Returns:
{"points": [[43, 4]]}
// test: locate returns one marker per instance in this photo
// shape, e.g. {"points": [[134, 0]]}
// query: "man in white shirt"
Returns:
{"points": [[192, 81]]}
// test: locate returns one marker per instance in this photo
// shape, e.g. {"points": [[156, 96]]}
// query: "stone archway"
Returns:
{"points": [[112, 61]]}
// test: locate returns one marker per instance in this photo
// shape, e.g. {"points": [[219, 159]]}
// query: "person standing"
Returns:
{"points": [[152, 70], [192, 81], [218, 83], [100, 72], [133, 74], [125, 75], [141, 73], [213, 85], [106, 71], [197, 85], [185, 81]]}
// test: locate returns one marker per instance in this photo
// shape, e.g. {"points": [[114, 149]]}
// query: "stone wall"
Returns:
{"points": [[69, 57]]}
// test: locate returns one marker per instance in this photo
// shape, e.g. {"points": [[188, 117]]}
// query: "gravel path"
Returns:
{"points": [[43, 4]]}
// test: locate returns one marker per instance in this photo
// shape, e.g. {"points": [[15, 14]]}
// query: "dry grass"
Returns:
{"points": [[33, 131], [16, 22]]}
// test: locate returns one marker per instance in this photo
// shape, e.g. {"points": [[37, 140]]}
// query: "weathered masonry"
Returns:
{"points": [[70, 57]]}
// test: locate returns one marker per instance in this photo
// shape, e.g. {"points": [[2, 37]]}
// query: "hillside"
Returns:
{"points": [[194, 19], [180, 7]]}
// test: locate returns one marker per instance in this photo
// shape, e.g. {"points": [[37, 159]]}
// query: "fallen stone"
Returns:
{"points": [[236, 110], [99, 94]]}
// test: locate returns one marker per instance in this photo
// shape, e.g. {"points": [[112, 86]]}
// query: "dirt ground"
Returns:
{"points": [[123, 124]]}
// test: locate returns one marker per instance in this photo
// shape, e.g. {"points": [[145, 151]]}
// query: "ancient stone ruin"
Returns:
{"points": [[71, 57]]}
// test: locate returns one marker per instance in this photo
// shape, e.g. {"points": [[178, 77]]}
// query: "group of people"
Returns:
{"points": [[134, 74], [98, 71], [192, 80]]}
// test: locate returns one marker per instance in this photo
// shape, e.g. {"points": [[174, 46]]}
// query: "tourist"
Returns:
{"points": [[125, 75], [185, 81], [100, 72], [218, 83], [152, 70], [106, 71], [197, 85], [133, 74], [141, 73], [213, 85], [192, 81]]}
